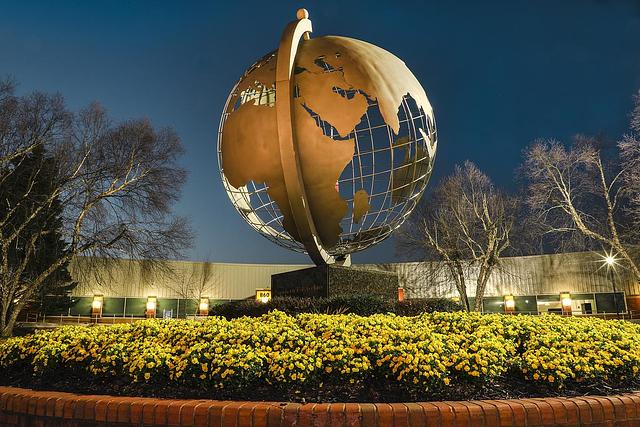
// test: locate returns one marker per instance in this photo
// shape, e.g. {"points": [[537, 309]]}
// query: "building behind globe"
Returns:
{"points": [[536, 282]]}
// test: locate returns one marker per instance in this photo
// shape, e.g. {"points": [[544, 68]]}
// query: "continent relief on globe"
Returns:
{"points": [[334, 78]]}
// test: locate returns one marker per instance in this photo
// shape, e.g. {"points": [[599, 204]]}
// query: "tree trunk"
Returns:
{"points": [[462, 286], [464, 300], [7, 329], [481, 284], [625, 255], [8, 322], [3, 318]]}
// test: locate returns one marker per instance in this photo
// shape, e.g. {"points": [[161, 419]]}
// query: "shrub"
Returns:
{"points": [[364, 305], [415, 307], [438, 354]]}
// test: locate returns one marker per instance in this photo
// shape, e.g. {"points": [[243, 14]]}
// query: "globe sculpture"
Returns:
{"points": [[326, 144]]}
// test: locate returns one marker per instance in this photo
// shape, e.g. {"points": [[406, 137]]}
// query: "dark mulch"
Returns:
{"points": [[508, 387]]}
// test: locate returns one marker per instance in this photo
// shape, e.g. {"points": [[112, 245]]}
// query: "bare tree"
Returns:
{"points": [[465, 224], [116, 182], [578, 190], [630, 155], [635, 114], [195, 281], [429, 235]]}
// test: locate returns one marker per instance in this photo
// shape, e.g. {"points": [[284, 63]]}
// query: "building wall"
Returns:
{"points": [[181, 279], [529, 275], [543, 274]]}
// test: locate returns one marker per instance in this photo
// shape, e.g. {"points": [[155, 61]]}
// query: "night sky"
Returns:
{"points": [[498, 73]]}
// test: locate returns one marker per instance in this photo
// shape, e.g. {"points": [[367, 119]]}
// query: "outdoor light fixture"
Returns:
{"points": [[509, 304], [565, 301], [263, 295], [609, 259], [96, 306], [152, 305], [203, 307], [400, 294]]}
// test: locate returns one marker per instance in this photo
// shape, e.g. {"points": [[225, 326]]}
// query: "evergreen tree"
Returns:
{"points": [[30, 184]]}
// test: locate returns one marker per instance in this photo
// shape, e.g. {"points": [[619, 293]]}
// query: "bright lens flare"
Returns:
{"points": [[609, 259]]}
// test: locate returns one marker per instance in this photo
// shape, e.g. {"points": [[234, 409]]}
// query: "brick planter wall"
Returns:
{"points": [[22, 407]]}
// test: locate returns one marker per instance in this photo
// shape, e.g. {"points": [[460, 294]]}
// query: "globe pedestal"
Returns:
{"points": [[334, 280]]}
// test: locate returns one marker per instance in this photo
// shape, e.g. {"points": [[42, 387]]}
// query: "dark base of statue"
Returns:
{"points": [[334, 280]]}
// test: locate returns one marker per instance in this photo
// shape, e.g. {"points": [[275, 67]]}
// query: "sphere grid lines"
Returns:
{"points": [[392, 169]]}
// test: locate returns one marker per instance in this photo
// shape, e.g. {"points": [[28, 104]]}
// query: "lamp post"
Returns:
{"points": [[203, 306], [152, 305], [509, 304], [96, 306], [566, 302], [611, 262]]}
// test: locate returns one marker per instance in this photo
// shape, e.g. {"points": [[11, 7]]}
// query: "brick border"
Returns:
{"points": [[22, 407]]}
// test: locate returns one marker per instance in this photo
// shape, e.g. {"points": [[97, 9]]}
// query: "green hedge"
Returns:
{"points": [[362, 305]]}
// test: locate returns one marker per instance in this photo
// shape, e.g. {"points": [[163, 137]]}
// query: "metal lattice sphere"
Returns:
{"points": [[326, 145]]}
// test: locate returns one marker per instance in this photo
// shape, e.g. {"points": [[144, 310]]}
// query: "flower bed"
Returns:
{"points": [[333, 357]]}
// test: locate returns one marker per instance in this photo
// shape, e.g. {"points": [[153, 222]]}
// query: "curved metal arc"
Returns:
{"points": [[289, 155]]}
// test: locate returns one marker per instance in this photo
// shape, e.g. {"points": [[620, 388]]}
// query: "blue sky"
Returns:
{"points": [[498, 73]]}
